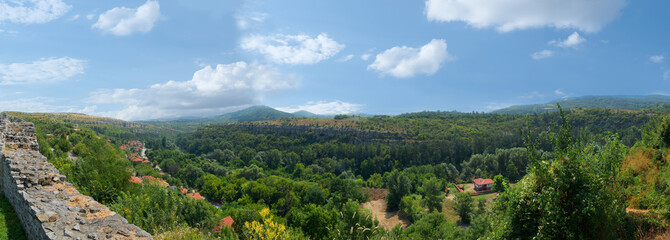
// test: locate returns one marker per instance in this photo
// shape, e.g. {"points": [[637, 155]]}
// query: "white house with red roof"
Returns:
{"points": [[483, 184]]}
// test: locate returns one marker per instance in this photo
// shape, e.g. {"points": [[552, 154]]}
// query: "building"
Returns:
{"points": [[483, 184]]}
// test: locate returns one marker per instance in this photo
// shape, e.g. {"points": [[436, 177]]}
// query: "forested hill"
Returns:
{"points": [[610, 102], [366, 145], [255, 113]]}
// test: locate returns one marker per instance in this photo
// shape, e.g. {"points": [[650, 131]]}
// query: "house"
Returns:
{"points": [[227, 221], [195, 196], [135, 180], [483, 184]]}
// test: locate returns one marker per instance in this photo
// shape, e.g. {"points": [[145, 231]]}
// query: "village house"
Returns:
{"points": [[483, 184]]}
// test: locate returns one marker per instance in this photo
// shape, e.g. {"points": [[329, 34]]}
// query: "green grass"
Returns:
{"points": [[10, 226]]}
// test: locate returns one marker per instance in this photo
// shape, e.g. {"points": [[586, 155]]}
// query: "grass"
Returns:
{"points": [[10, 226]]}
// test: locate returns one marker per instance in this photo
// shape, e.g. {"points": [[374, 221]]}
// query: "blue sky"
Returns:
{"points": [[138, 60]]}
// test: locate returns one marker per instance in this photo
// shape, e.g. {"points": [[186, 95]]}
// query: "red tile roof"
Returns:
{"points": [[135, 180], [183, 190], [228, 221], [480, 181], [195, 196]]}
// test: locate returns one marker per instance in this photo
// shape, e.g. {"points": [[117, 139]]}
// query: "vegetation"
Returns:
{"points": [[610, 102], [10, 226], [307, 178]]}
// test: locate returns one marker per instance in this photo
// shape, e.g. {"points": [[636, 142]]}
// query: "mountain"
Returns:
{"points": [[255, 113], [307, 114], [251, 114], [611, 102]]}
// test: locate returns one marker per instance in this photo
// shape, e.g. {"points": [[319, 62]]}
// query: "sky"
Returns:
{"points": [[140, 60]]}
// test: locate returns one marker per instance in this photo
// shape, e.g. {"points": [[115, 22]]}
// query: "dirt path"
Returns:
{"points": [[387, 220], [638, 211]]}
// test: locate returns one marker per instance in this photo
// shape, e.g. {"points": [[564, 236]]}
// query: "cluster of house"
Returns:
{"points": [[135, 149]]}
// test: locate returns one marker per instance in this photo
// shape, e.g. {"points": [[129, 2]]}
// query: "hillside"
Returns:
{"points": [[255, 113], [610, 102]]}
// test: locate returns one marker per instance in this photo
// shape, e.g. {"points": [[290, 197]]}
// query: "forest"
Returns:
{"points": [[307, 178]]}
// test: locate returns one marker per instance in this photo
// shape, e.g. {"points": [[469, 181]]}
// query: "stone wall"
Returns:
{"points": [[49, 207]]}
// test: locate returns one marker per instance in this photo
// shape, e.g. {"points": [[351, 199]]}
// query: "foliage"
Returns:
{"points": [[433, 194], [432, 226], [10, 225], [499, 183], [398, 185], [186, 233], [267, 229], [579, 187], [463, 206], [410, 207]]}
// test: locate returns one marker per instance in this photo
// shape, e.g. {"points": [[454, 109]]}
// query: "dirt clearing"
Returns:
{"points": [[377, 205]]}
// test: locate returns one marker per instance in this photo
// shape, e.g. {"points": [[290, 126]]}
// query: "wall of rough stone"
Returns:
{"points": [[49, 207]]}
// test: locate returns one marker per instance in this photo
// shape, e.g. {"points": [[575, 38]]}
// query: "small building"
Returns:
{"points": [[135, 180], [195, 196], [483, 184]]}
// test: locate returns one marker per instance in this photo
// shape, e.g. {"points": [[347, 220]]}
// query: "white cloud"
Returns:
{"points": [[405, 61], [573, 41], [325, 108], [666, 75], [211, 91], [41, 71], [346, 58], [365, 57], [122, 21], [542, 54], [657, 59], [293, 49], [559, 92], [90, 16], [9, 32], [32, 11], [36, 104], [509, 15], [75, 17], [246, 20]]}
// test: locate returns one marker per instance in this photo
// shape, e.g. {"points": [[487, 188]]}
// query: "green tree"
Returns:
{"points": [[463, 206], [398, 185], [511, 171], [499, 183], [433, 194], [580, 186]]}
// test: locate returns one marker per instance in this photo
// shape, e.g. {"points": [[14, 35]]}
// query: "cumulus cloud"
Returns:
{"points": [[211, 91], [246, 20], [41, 71], [365, 57], [32, 11], [573, 41], [123, 21], [542, 54], [293, 49], [657, 59], [402, 62], [509, 15], [325, 108]]}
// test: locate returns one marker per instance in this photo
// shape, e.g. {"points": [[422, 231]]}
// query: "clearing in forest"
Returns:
{"points": [[377, 205]]}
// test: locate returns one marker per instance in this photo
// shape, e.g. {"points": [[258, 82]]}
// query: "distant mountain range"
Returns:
{"points": [[255, 113], [611, 102]]}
